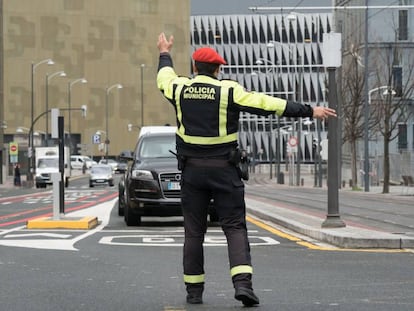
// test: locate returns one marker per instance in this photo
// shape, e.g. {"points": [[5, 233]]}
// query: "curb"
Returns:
{"points": [[349, 237], [85, 222]]}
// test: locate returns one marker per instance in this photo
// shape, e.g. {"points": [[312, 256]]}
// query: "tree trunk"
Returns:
{"points": [[386, 184], [354, 165]]}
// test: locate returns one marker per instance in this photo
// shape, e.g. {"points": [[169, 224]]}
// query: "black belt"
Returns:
{"points": [[207, 162]]}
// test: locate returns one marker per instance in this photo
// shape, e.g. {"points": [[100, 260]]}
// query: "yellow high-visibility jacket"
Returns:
{"points": [[208, 109]]}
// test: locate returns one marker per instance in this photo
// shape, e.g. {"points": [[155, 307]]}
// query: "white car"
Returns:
{"points": [[101, 174], [111, 162], [77, 162]]}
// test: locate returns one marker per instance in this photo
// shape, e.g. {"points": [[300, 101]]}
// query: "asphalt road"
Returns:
{"points": [[115, 267]]}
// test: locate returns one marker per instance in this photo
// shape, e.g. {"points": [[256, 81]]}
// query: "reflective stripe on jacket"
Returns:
{"points": [[208, 109]]}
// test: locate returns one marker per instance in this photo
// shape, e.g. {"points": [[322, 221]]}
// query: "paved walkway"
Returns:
{"points": [[304, 220]]}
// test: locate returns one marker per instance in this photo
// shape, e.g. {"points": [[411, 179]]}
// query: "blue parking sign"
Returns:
{"points": [[96, 139]]}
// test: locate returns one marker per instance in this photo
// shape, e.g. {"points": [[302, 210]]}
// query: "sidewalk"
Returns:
{"points": [[307, 223]]}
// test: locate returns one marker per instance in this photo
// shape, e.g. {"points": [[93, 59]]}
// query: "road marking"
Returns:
{"points": [[102, 211], [49, 235], [176, 240]]}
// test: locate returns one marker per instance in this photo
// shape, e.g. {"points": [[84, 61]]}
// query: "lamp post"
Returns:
{"points": [[262, 61], [48, 78], [70, 85], [108, 89], [142, 94], [271, 45], [30, 146]]}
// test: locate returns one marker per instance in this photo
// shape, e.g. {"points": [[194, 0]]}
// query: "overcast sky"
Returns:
{"points": [[223, 7]]}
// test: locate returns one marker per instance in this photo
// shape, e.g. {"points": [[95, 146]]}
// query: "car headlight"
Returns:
{"points": [[142, 174]]}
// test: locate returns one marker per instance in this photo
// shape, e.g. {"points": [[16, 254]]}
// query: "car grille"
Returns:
{"points": [[167, 178], [45, 175]]}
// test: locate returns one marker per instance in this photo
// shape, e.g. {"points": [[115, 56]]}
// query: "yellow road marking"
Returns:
{"points": [[312, 246]]}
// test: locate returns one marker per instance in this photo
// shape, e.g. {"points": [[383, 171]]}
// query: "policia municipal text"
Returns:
{"points": [[207, 111]]}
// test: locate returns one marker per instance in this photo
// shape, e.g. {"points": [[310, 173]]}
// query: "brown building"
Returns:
{"points": [[104, 41]]}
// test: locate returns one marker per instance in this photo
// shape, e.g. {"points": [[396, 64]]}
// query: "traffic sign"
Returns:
{"points": [[96, 139], [13, 148], [293, 144], [293, 141]]}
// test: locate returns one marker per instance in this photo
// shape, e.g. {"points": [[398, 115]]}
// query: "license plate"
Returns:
{"points": [[173, 185], [100, 180]]}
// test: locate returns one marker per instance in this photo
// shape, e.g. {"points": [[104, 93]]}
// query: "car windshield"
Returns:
{"points": [[42, 163], [100, 170], [157, 147]]}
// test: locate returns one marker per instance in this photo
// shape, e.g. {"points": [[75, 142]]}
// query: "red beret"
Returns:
{"points": [[208, 55]]}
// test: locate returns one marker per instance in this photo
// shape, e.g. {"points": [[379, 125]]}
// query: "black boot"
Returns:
{"points": [[244, 291], [195, 293], [246, 296]]}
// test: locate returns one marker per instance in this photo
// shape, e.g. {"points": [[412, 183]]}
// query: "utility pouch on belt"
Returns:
{"points": [[181, 160], [239, 159]]}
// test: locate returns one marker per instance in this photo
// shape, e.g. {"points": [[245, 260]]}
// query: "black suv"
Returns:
{"points": [[151, 184]]}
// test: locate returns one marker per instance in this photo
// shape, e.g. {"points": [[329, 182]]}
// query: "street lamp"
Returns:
{"points": [[70, 85], [22, 129], [108, 89], [48, 78], [271, 45], [142, 94], [260, 62], [30, 147]]}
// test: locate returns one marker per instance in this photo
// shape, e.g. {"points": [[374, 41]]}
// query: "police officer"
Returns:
{"points": [[207, 112]]}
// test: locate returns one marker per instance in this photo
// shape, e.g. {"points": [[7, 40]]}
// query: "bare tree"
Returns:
{"points": [[395, 68], [352, 106]]}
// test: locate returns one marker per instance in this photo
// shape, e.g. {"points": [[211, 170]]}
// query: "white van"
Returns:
{"points": [[77, 161], [157, 129]]}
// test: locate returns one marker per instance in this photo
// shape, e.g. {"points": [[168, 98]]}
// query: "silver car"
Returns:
{"points": [[101, 174]]}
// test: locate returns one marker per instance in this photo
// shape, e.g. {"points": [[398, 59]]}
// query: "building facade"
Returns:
{"points": [[280, 55], [380, 40], [105, 42]]}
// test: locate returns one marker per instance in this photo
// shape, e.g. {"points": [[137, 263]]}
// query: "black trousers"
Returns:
{"points": [[200, 184]]}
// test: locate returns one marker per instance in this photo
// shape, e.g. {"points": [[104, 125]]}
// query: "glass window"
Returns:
{"points": [[402, 136], [397, 80], [403, 25]]}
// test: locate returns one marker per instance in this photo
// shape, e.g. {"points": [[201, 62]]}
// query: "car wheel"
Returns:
{"points": [[90, 185], [130, 218], [121, 204]]}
